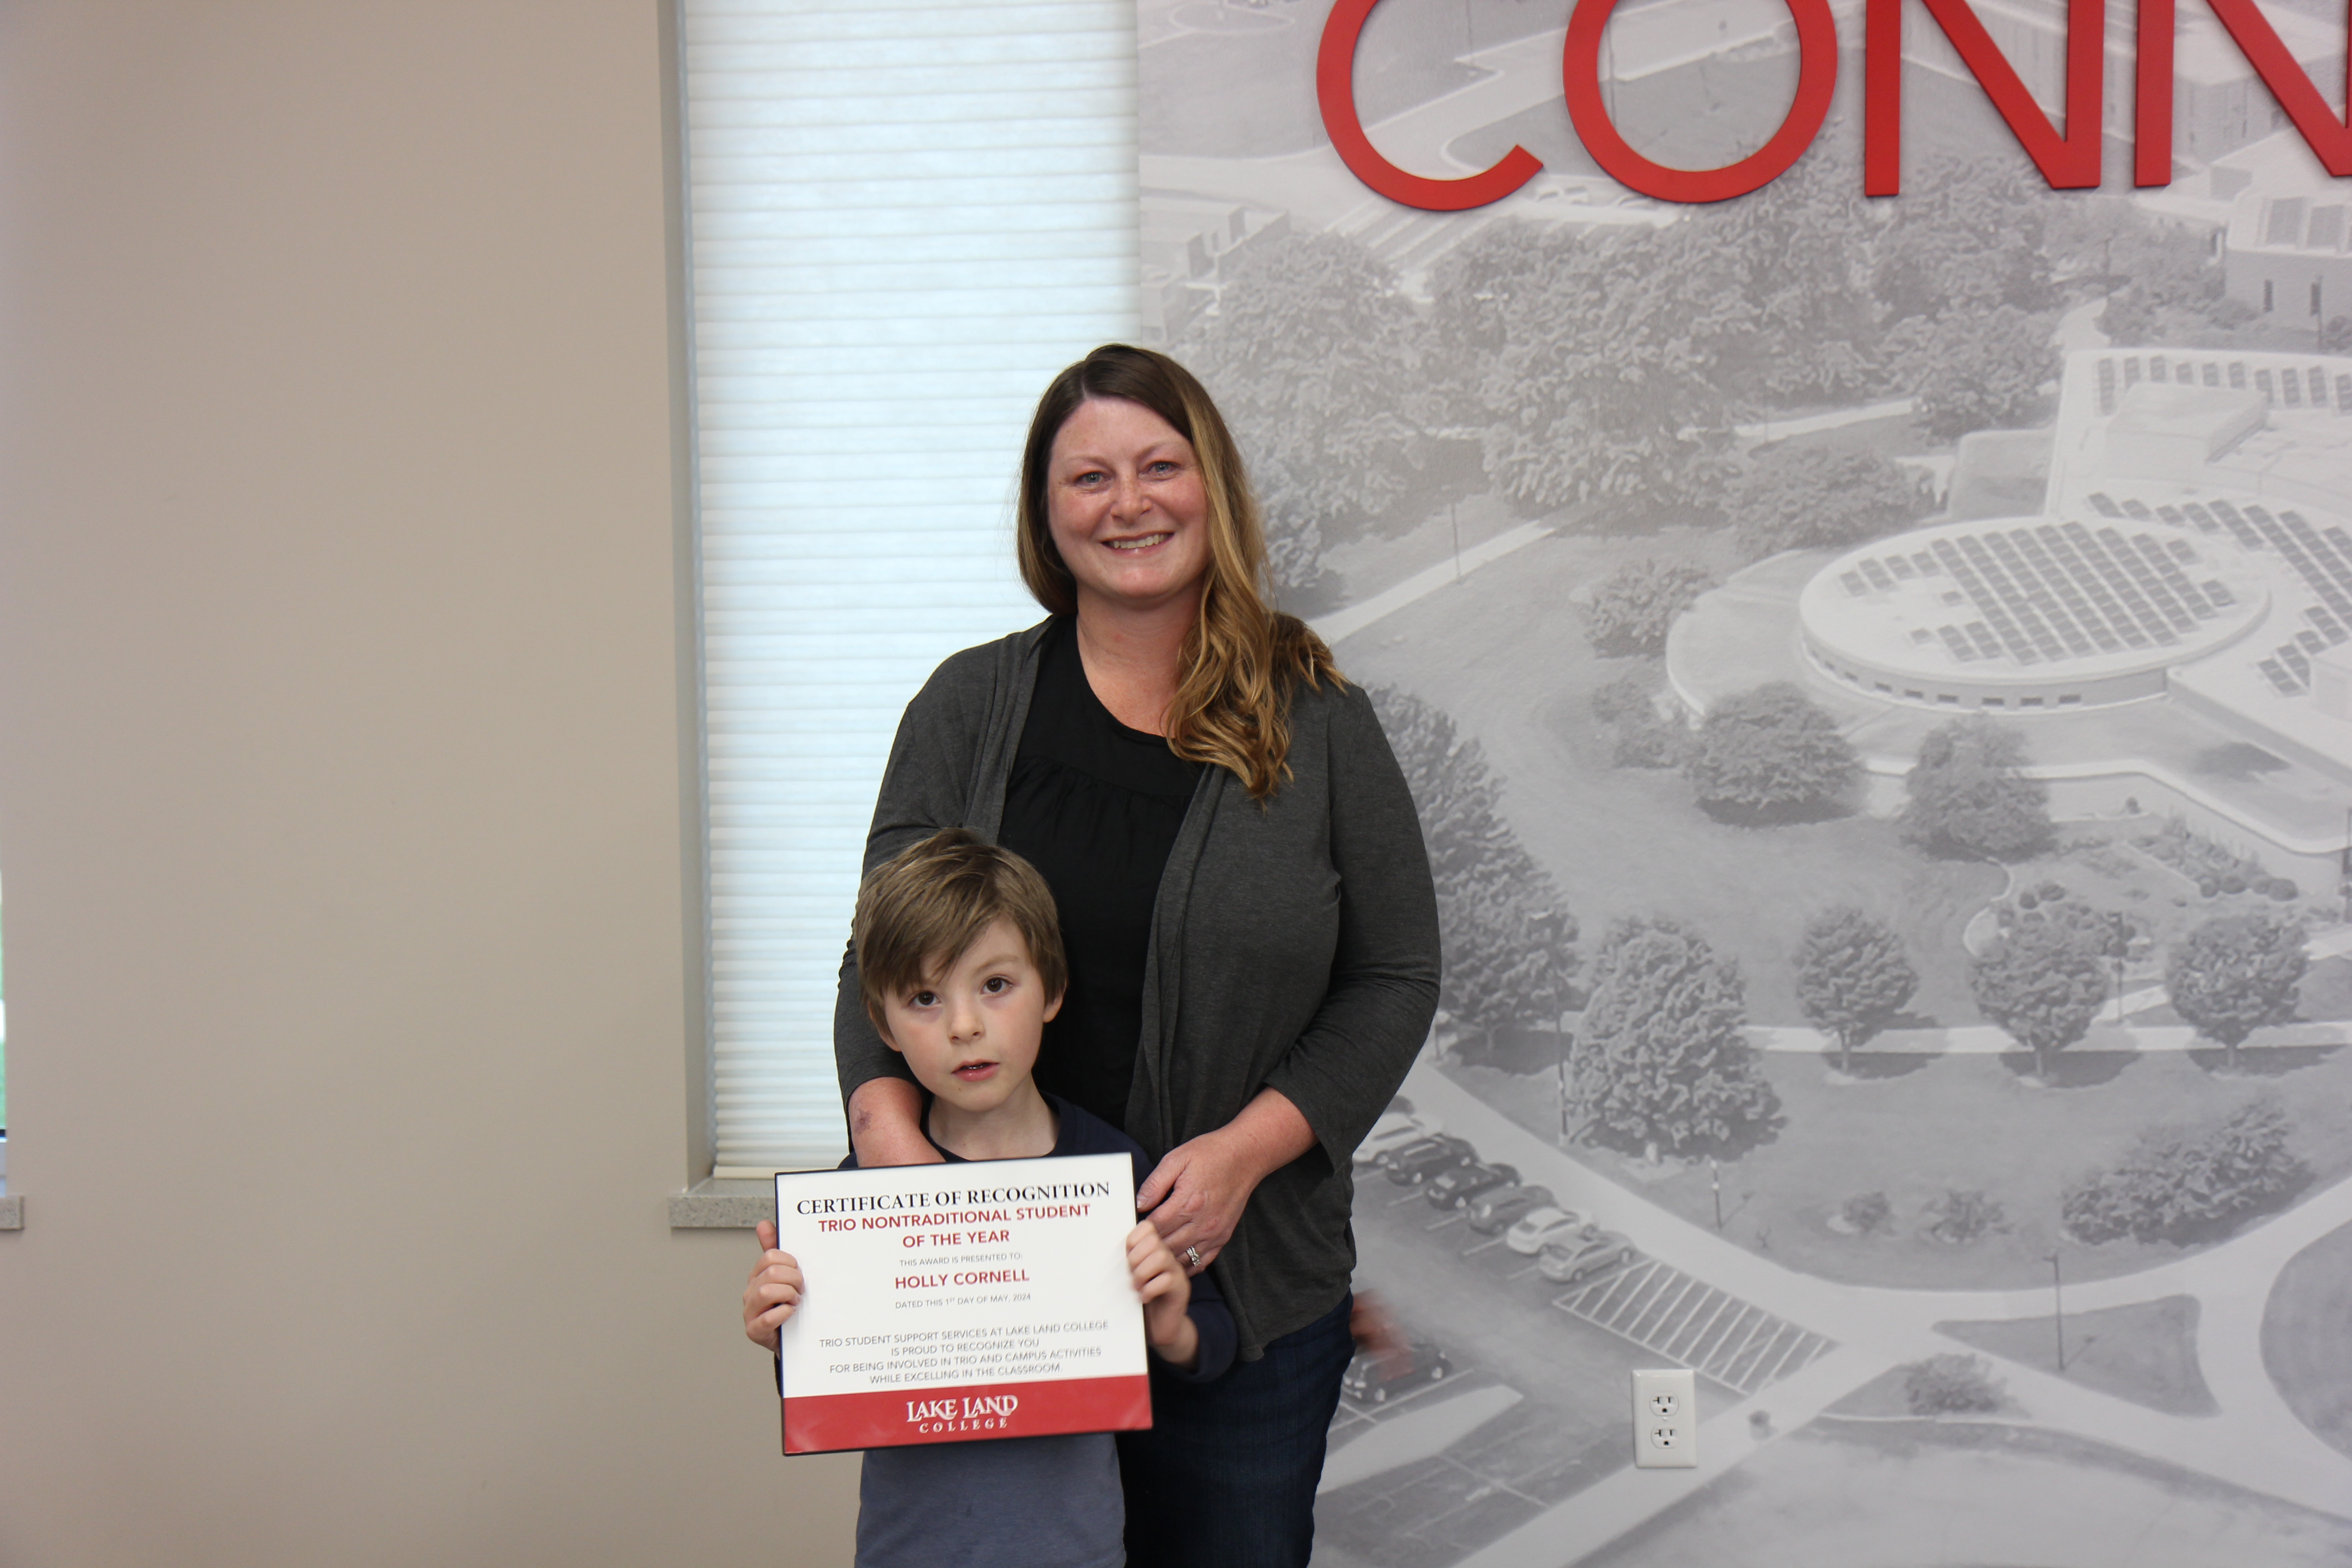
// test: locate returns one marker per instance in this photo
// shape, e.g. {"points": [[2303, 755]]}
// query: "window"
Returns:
{"points": [[892, 251]]}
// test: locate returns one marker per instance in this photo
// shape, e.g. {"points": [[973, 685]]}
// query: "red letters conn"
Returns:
{"points": [[2067, 160]]}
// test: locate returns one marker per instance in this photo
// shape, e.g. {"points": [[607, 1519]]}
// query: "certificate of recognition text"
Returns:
{"points": [[946, 1303]]}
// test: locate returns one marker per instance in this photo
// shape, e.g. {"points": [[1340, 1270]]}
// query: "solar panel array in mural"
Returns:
{"points": [[2322, 560], [2048, 592]]}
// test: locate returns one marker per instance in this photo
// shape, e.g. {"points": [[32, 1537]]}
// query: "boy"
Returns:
{"points": [[960, 961]]}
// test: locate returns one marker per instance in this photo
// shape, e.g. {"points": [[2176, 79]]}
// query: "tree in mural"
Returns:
{"points": [[1817, 498], [1974, 371], [1631, 608], [1853, 977], [1969, 796], [1796, 253], [1770, 755], [1314, 357], [1589, 359], [1626, 699], [1508, 938], [2043, 984], [1477, 292], [1950, 1385], [2186, 1183], [1963, 274], [1660, 1060], [2145, 268], [2234, 974], [1509, 959], [1643, 736], [1958, 1216], [1968, 237]]}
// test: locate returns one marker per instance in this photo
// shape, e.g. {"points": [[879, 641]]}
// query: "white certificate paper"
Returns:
{"points": [[946, 1303]]}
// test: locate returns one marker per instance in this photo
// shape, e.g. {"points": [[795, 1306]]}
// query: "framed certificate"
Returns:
{"points": [[946, 1303]]}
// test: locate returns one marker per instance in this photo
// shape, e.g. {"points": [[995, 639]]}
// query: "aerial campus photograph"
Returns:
{"points": [[1876, 676]]}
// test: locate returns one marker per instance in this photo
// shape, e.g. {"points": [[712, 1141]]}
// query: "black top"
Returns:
{"points": [[1296, 949], [1095, 807]]}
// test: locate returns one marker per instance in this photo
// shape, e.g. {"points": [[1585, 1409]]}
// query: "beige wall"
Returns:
{"points": [[341, 805]]}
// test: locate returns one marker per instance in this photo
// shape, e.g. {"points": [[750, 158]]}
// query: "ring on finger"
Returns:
{"points": [[1193, 1257]]}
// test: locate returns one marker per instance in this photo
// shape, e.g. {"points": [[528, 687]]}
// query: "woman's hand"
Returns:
{"points": [[775, 1292], [1195, 1197], [886, 1124]]}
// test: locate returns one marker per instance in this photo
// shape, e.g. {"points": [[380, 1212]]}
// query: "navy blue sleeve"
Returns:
{"points": [[1219, 1336]]}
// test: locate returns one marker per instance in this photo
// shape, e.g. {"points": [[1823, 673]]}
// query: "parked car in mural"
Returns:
{"points": [[1394, 1131], [1453, 1189], [1583, 1254], [1498, 1208], [1374, 1378], [1538, 1227], [1416, 1163]]}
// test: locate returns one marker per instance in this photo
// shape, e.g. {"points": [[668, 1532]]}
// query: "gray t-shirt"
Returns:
{"points": [[1021, 1502], [1013, 1502]]}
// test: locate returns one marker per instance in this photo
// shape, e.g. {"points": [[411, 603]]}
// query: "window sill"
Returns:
{"points": [[714, 1204]]}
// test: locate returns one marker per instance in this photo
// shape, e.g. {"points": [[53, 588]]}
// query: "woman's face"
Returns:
{"points": [[1128, 507]]}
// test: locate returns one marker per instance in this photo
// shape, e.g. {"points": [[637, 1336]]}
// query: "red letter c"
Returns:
{"points": [[1335, 88], [1817, 54]]}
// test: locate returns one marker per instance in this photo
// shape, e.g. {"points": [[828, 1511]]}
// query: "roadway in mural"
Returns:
{"points": [[1877, 677]]}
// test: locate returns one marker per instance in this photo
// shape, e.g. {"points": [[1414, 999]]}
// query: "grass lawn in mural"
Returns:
{"points": [[2145, 1352], [2307, 1337], [1922, 1494]]}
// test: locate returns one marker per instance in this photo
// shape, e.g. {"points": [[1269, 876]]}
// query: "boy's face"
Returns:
{"points": [[970, 1034]]}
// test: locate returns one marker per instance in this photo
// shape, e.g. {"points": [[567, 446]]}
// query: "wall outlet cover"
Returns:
{"points": [[1665, 1419]]}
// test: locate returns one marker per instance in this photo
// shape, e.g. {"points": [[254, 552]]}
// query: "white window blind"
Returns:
{"points": [[905, 217]]}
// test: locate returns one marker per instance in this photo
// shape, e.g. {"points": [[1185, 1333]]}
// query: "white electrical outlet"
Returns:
{"points": [[1665, 1419]]}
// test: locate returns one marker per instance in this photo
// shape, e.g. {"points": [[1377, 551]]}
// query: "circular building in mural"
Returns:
{"points": [[2026, 613]]}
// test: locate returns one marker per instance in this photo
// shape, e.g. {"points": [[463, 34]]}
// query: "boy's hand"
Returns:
{"points": [[775, 1292], [1161, 1282]]}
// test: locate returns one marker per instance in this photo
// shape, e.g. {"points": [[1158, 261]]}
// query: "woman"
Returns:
{"points": [[1242, 890]]}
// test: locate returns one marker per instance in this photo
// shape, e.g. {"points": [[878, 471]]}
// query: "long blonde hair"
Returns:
{"points": [[1241, 656]]}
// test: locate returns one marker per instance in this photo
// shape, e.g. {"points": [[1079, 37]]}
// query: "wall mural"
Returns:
{"points": [[1877, 677]]}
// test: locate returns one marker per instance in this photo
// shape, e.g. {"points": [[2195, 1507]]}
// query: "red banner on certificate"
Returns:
{"points": [[954, 1303], [817, 1424]]}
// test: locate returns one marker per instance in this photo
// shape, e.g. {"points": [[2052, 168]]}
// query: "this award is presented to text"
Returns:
{"points": [[946, 1303]]}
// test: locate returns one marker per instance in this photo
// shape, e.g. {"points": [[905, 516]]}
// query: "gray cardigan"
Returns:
{"points": [[1294, 946]]}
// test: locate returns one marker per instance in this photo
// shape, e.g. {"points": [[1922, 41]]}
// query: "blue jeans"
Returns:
{"points": [[1226, 1476]]}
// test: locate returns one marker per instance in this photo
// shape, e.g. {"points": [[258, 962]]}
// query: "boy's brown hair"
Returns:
{"points": [[923, 906]]}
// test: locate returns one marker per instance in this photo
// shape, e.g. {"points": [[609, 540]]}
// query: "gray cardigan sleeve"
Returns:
{"points": [[928, 785], [1344, 1068]]}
